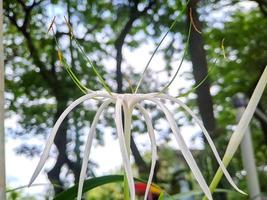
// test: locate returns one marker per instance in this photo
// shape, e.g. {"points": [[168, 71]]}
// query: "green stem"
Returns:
{"points": [[93, 66], [68, 68], [182, 60], [156, 49], [76, 81], [200, 83], [218, 176]]}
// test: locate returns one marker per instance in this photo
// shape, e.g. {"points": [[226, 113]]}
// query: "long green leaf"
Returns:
{"points": [[92, 183], [89, 184]]}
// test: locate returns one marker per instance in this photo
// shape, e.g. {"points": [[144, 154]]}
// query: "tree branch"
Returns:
{"points": [[133, 15], [29, 41]]}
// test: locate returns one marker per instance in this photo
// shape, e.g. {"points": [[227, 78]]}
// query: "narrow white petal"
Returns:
{"points": [[213, 148], [151, 134], [127, 126], [51, 137], [123, 148], [88, 146], [184, 149]]}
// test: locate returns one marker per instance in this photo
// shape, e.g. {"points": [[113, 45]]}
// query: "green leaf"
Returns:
{"points": [[89, 184], [161, 196], [54, 1], [92, 183]]}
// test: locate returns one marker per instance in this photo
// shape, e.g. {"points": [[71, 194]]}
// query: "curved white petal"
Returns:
{"points": [[88, 146], [51, 137], [127, 111], [151, 134], [123, 148], [184, 149], [213, 148]]}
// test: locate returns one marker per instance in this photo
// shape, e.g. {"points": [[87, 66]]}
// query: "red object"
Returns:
{"points": [[140, 189]]}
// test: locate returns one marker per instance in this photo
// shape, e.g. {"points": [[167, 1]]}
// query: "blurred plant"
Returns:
{"points": [[19, 195]]}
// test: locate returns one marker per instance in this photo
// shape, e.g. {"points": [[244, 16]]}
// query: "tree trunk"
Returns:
{"points": [[62, 158], [200, 70], [60, 142], [74, 166]]}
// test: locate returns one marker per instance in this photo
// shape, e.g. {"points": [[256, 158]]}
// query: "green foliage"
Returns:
{"points": [[245, 49], [18, 195], [89, 184], [109, 191], [93, 183]]}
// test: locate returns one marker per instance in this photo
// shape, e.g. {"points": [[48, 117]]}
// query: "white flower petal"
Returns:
{"points": [[213, 148], [127, 126], [151, 134], [123, 148], [51, 137], [88, 146], [184, 149]]}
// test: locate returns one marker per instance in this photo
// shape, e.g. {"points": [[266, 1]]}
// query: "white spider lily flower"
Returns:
{"points": [[126, 103]]}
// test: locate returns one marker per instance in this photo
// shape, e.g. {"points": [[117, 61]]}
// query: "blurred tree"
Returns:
{"points": [[38, 90]]}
